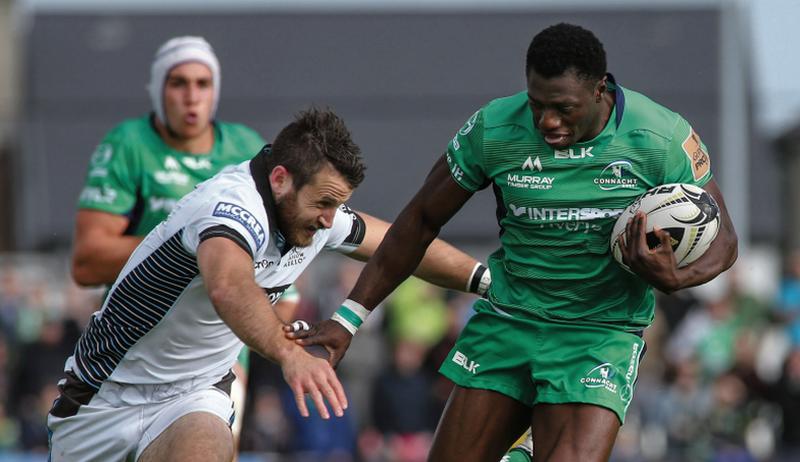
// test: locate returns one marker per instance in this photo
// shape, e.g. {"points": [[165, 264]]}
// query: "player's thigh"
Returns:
{"points": [[195, 436], [587, 364], [573, 432], [478, 425], [196, 424]]}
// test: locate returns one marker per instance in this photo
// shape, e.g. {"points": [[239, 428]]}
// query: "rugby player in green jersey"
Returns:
{"points": [[556, 344], [143, 166]]}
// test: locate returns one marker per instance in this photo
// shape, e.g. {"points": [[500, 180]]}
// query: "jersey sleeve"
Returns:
{"points": [[687, 159], [465, 155], [112, 179], [347, 232], [235, 215]]}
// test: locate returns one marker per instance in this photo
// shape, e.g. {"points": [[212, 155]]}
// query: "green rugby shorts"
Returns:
{"points": [[544, 361]]}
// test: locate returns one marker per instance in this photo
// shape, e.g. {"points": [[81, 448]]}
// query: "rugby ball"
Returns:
{"points": [[687, 212]]}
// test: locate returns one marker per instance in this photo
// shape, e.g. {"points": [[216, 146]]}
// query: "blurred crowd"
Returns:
{"points": [[720, 380]]}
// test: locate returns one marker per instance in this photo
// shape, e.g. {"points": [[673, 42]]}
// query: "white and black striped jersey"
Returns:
{"points": [[157, 324]]}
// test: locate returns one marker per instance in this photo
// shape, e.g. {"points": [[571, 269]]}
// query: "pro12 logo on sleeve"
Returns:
{"points": [[241, 215], [693, 148]]}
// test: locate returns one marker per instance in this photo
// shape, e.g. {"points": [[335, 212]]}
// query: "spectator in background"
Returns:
{"points": [[11, 302], [9, 427], [707, 333], [787, 395], [682, 410], [403, 405], [787, 306], [9, 431], [417, 312], [316, 439], [267, 429], [672, 308], [728, 419], [41, 363]]}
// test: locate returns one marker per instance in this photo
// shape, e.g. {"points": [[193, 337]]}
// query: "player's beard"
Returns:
{"points": [[291, 225]]}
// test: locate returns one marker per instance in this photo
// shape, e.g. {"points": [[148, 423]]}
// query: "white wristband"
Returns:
{"points": [[479, 280], [345, 323], [351, 315], [486, 281], [356, 308]]}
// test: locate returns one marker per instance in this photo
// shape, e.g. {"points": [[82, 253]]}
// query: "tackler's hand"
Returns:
{"points": [[315, 378], [329, 334]]}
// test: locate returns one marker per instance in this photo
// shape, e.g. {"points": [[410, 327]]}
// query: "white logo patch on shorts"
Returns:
{"points": [[601, 376]]}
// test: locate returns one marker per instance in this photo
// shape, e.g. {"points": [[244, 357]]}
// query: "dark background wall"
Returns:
{"points": [[403, 82]]}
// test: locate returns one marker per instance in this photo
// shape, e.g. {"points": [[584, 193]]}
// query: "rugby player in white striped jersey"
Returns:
{"points": [[149, 377]]}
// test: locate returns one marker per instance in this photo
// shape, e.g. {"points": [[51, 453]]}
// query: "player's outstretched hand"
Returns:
{"points": [[329, 334], [307, 374], [656, 265]]}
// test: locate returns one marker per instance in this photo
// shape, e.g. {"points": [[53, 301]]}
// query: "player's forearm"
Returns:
{"points": [[99, 260], [720, 256], [227, 273], [446, 266], [400, 253], [245, 309]]}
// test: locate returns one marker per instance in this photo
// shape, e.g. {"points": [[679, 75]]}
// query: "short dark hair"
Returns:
{"points": [[315, 138], [562, 47]]}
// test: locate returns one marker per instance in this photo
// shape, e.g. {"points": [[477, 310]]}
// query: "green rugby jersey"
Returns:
{"points": [[133, 172], [556, 208]]}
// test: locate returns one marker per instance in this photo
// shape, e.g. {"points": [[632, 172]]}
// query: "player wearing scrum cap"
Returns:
{"points": [[144, 165]]}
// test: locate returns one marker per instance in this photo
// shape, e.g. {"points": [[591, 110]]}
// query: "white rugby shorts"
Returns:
{"points": [[85, 425]]}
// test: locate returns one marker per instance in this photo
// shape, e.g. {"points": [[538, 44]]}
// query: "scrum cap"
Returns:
{"points": [[176, 51]]}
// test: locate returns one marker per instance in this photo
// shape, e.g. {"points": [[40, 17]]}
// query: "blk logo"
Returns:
{"points": [[462, 360], [573, 153]]}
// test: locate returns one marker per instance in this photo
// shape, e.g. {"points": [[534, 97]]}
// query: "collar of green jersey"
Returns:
{"points": [[619, 98]]}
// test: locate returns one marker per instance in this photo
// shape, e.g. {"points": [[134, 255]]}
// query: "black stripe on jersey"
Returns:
{"points": [[230, 233], [274, 293], [501, 210], [134, 307], [358, 229]]}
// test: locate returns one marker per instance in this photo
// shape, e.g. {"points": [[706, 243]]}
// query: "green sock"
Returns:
{"points": [[517, 455]]}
